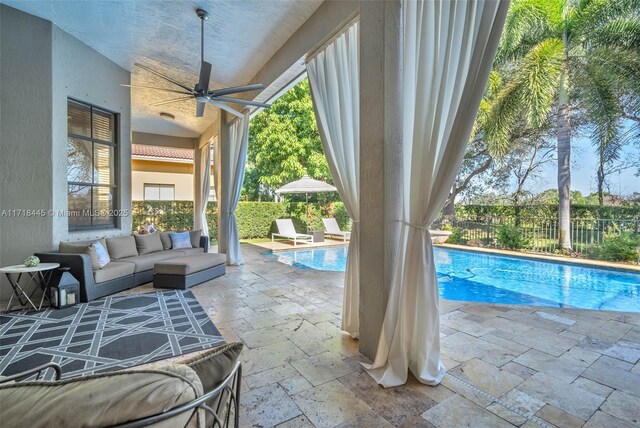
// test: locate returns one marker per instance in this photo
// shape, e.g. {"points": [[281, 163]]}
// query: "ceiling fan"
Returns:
{"points": [[201, 92]]}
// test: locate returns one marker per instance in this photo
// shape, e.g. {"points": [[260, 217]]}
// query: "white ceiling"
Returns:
{"points": [[240, 37]]}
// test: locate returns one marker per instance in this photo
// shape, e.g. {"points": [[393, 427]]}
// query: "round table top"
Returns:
{"points": [[25, 269]]}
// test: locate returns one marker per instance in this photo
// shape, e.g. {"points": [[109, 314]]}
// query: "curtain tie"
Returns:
{"points": [[415, 226]]}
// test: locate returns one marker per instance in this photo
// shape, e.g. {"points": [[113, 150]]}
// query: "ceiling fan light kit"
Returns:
{"points": [[201, 93]]}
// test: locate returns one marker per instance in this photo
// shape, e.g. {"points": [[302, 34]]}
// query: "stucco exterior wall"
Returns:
{"points": [[40, 67], [81, 73], [25, 137], [183, 184]]}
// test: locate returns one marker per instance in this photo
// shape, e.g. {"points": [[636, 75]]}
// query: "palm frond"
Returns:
{"points": [[528, 22], [620, 32]]}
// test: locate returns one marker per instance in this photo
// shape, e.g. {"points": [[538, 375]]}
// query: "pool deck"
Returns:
{"points": [[507, 365], [547, 257], [287, 245]]}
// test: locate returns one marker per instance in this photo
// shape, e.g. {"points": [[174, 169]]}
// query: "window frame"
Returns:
{"points": [[158, 185], [114, 186]]}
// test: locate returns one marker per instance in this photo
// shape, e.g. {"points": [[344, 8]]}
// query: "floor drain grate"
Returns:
{"points": [[536, 420]]}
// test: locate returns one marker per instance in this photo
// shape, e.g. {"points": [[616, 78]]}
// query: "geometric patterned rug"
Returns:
{"points": [[108, 334]]}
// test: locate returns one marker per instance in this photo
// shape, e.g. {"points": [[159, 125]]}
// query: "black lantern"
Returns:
{"points": [[64, 289]]}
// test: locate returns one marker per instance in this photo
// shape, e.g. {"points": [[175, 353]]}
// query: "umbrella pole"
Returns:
{"points": [[306, 198]]}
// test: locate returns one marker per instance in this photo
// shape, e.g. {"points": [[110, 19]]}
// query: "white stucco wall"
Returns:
{"points": [[183, 184]]}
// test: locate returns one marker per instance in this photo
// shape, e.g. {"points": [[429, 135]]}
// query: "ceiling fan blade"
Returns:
{"points": [[175, 100], [223, 106], [200, 109], [157, 89], [168, 79], [243, 102], [236, 89], [205, 75]]}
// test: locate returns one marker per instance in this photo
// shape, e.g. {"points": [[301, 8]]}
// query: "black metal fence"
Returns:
{"points": [[541, 233]]}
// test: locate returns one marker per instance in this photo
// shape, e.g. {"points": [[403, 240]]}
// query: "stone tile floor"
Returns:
{"points": [[507, 365]]}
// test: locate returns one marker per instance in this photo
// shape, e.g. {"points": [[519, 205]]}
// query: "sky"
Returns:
{"points": [[584, 164]]}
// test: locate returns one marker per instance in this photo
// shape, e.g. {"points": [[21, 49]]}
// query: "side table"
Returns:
{"points": [[37, 276], [318, 235]]}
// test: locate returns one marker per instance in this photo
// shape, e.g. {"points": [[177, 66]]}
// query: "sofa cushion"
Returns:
{"points": [[103, 399], [113, 270], [102, 255], [84, 247], [189, 264], [166, 239], [180, 240], [149, 243], [214, 365], [194, 236], [121, 247], [147, 261], [188, 251]]}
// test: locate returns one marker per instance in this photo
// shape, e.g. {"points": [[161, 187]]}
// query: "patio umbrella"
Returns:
{"points": [[306, 185]]}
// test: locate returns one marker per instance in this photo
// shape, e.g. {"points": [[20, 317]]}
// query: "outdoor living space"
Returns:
{"points": [[320, 213], [507, 365]]}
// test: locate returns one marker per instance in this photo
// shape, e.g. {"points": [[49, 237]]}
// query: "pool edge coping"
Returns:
{"points": [[562, 259]]}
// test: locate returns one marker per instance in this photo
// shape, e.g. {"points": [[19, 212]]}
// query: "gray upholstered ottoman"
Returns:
{"points": [[185, 272]]}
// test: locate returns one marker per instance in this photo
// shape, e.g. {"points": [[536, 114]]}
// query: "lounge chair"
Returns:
{"points": [[332, 228], [286, 230]]}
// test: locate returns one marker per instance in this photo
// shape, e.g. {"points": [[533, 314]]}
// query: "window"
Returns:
{"points": [[212, 194], [159, 192], [91, 175]]}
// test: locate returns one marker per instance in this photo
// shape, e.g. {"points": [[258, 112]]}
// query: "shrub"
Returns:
{"points": [[619, 246], [256, 219], [457, 235], [510, 237]]}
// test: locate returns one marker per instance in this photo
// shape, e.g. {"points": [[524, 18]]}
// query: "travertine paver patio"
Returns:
{"points": [[507, 365]]}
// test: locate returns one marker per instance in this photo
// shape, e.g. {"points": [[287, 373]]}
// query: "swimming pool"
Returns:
{"points": [[481, 277]]}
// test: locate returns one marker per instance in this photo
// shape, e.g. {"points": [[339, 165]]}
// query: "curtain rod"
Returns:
{"points": [[333, 38]]}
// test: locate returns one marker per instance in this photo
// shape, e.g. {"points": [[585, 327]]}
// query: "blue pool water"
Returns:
{"points": [[480, 277]]}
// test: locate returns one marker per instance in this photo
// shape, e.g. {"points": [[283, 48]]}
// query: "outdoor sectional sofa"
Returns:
{"points": [[133, 259]]}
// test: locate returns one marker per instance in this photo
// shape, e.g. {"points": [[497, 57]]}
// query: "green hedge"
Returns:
{"points": [[255, 219], [548, 211]]}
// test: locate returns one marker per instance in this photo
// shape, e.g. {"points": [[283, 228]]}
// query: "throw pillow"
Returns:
{"points": [[81, 248], [166, 240], [149, 243], [121, 247], [180, 240], [195, 235], [101, 254]]}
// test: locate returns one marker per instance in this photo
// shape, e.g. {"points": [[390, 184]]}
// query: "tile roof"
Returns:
{"points": [[161, 152]]}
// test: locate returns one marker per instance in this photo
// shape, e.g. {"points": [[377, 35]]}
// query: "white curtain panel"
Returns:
{"points": [[238, 144], [335, 89], [200, 215], [448, 50]]}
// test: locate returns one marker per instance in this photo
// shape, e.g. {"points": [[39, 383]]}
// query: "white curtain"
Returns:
{"points": [[448, 50], [204, 171], [238, 144], [335, 89]]}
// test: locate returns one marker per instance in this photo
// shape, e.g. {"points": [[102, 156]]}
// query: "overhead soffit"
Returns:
{"points": [[240, 37]]}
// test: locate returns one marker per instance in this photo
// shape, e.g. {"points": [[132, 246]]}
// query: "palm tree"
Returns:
{"points": [[568, 57]]}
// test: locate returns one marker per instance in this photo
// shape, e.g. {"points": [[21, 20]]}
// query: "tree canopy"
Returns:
{"points": [[284, 144]]}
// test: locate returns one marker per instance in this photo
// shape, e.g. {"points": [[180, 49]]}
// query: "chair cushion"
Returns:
{"points": [[121, 247], [103, 399], [166, 239], [149, 243], [189, 264], [146, 261], [215, 365], [194, 236], [180, 240], [113, 270]]}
